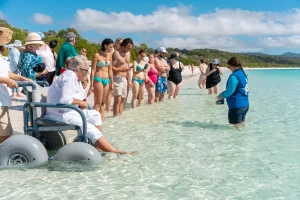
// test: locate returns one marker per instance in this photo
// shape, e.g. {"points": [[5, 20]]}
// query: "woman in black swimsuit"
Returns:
{"points": [[213, 79], [175, 77]]}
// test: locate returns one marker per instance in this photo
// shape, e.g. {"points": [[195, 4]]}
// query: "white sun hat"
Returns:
{"points": [[33, 38]]}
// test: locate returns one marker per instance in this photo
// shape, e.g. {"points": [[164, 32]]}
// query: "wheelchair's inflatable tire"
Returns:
{"points": [[54, 140], [78, 151], [22, 150]]}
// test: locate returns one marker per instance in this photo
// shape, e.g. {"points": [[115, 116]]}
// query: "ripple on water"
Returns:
{"points": [[187, 150]]}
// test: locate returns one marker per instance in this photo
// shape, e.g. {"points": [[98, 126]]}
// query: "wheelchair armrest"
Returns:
{"points": [[69, 106]]}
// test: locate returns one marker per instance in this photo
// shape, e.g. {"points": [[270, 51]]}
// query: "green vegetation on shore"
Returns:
{"points": [[187, 57]]}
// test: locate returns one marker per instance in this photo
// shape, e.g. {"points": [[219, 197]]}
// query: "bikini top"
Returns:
{"points": [[103, 64], [139, 68]]}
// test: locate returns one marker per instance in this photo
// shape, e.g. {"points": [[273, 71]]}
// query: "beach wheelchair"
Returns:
{"points": [[69, 142]]}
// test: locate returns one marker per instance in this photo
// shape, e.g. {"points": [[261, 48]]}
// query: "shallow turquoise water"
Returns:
{"points": [[187, 150]]}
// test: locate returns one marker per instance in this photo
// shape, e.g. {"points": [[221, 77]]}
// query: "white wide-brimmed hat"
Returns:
{"points": [[5, 36], [33, 38], [17, 43]]}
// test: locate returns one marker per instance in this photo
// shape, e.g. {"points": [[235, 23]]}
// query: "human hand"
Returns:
{"points": [[83, 105], [213, 70], [130, 84], [111, 87], [11, 83], [45, 72]]}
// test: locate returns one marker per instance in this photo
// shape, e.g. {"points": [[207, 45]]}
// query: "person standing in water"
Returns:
{"points": [[152, 79], [138, 79], [202, 77], [213, 79], [102, 75], [121, 71], [236, 93], [193, 68], [163, 68], [175, 77], [116, 47]]}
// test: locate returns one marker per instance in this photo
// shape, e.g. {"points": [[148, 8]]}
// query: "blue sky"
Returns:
{"points": [[239, 26]]}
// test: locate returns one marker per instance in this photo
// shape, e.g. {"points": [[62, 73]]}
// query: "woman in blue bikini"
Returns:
{"points": [[138, 79], [101, 75]]}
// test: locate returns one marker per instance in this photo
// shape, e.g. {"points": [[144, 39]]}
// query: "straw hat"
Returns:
{"points": [[33, 38], [5, 36]]}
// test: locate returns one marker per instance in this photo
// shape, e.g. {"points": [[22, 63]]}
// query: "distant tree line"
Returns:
{"points": [[187, 57]]}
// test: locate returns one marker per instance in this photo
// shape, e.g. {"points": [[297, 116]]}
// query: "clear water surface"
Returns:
{"points": [[187, 150]]}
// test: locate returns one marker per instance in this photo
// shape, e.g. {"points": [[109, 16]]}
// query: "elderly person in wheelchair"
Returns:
{"points": [[67, 89]]}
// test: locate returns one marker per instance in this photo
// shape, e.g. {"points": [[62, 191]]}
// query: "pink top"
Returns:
{"points": [[152, 74]]}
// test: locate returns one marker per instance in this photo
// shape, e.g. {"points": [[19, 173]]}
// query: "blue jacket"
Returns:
{"points": [[236, 93]]}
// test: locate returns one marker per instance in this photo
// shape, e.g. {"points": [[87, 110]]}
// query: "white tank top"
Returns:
{"points": [[48, 58]]}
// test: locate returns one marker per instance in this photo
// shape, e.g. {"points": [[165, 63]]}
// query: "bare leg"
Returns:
{"points": [[149, 93], [157, 96], [105, 94], [122, 105], [3, 138], [128, 88], [104, 145], [141, 93], [116, 107], [135, 90], [216, 89], [178, 87], [203, 82], [108, 102], [210, 90], [171, 88], [98, 98], [152, 92], [161, 97]]}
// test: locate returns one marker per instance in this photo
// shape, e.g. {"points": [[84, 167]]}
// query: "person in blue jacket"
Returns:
{"points": [[236, 93]]}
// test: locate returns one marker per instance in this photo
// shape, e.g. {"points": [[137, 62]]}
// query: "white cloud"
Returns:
{"points": [[40, 18], [282, 42], [221, 43], [2, 16], [220, 29], [178, 21]]}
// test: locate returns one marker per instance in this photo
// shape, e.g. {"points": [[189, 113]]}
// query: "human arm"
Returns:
{"points": [[220, 70], [209, 72], [157, 65], [110, 73], [93, 71], [17, 77], [230, 88], [68, 88], [9, 82]]}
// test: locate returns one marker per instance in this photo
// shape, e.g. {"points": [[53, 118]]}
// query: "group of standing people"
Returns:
{"points": [[112, 75]]}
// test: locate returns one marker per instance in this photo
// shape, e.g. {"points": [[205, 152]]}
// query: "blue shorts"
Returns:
{"points": [[161, 85], [237, 115]]}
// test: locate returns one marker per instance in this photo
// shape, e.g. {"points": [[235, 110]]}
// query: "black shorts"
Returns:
{"points": [[237, 115]]}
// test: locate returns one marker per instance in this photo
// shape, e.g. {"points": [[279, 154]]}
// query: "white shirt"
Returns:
{"points": [[5, 92], [63, 90], [47, 57]]}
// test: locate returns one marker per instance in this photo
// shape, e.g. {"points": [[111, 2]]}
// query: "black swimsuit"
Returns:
{"points": [[213, 79], [175, 75]]}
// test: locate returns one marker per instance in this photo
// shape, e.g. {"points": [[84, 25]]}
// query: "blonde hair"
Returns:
{"points": [[77, 62]]}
